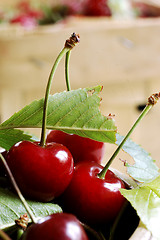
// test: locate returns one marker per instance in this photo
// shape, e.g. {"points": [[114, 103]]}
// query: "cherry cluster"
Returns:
{"points": [[66, 168]]}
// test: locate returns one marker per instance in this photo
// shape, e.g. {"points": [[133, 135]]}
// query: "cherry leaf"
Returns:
{"points": [[145, 199], [11, 136], [144, 169], [76, 111], [11, 208]]}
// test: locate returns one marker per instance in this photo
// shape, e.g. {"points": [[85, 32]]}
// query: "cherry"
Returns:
{"points": [[59, 226], [81, 148], [41, 173], [93, 200]]}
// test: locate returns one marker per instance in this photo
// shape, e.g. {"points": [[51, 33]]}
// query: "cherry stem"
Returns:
{"points": [[67, 70], [152, 100], [18, 190], [69, 44], [45, 106], [93, 232], [4, 236], [19, 233], [117, 220]]}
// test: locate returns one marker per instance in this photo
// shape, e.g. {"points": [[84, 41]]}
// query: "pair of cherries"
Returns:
{"points": [[67, 167], [43, 172]]}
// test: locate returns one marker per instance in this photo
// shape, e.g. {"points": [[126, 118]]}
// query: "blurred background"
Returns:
{"points": [[119, 49]]}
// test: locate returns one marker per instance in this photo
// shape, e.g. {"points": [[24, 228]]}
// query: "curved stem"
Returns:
{"points": [[144, 112], [4, 236], [117, 220], [18, 190], [93, 232], [67, 70], [44, 120]]}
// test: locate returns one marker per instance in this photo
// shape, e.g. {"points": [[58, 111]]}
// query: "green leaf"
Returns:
{"points": [[75, 111], [146, 200], [11, 136], [11, 208], [144, 169]]}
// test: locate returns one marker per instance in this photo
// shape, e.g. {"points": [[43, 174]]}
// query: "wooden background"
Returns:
{"points": [[123, 56]]}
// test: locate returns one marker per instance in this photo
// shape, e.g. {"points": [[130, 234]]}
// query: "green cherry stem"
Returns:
{"points": [[33, 218], [96, 235], [19, 233], [67, 70], [152, 100], [117, 220], [45, 106], [69, 44]]}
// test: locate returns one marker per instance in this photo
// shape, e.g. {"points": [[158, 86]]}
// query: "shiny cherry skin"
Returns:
{"points": [[59, 226], [81, 148], [93, 200], [42, 173]]}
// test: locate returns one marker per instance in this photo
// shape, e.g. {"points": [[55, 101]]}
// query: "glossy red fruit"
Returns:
{"points": [[93, 200], [81, 148], [42, 173], [59, 226]]}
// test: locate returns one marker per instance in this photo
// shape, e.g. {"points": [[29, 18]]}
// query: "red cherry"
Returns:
{"points": [[93, 200], [81, 148], [59, 226], [42, 173], [97, 8]]}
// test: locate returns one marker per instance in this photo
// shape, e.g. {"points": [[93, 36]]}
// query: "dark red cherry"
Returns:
{"points": [[93, 200], [59, 226], [42, 173], [81, 148]]}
